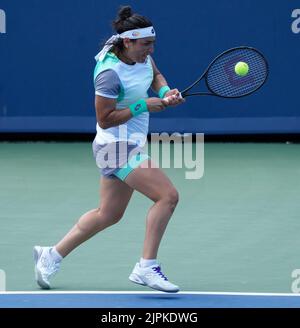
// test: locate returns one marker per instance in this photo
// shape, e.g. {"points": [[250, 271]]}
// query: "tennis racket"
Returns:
{"points": [[222, 80]]}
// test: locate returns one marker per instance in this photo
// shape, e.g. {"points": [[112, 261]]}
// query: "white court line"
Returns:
{"points": [[147, 292]]}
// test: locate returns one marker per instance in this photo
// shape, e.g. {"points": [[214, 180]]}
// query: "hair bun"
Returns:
{"points": [[125, 12]]}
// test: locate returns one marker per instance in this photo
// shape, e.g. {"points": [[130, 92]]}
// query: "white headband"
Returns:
{"points": [[131, 34], [138, 33]]}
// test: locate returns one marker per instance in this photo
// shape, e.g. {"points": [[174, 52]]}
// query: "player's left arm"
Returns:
{"points": [[159, 81]]}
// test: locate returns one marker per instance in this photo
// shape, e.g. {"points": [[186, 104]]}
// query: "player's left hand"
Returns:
{"points": [[173, 98]]}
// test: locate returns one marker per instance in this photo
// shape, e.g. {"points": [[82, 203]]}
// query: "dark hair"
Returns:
{"points": [[127, 20]]}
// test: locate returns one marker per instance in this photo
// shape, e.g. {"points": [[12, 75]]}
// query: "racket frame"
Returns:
{"points": [[184, 93]]}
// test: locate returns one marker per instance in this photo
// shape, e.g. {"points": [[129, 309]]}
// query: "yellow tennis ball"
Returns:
{"points": [[241, 68]]}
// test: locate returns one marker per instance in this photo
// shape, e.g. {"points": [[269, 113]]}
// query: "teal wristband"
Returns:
{"points": [[139, 107], [162, 91]]}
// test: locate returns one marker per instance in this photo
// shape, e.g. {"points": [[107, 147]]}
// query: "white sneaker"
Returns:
{"points": [[45, 266], [152, 277]]}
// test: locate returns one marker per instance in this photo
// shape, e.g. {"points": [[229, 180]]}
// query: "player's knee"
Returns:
{"points": [[172, 198], [111, 216]]}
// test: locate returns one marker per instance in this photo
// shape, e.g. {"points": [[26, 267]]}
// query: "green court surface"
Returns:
{"points": [[235, 230]]}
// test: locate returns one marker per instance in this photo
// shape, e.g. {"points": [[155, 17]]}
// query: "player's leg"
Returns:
{"points": [[115, 195], [154, 184]]}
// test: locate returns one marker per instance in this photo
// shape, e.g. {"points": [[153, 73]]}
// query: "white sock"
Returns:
{"points": [[56, 256], [146, 262]]}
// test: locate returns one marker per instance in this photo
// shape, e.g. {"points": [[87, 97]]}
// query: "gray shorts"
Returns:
{"points": [[118, 159]]}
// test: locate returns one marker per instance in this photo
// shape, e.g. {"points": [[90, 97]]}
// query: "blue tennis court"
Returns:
{"points": [[147, 300]]}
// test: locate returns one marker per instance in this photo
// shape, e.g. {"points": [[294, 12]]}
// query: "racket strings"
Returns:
{"points": [[221, 77]]}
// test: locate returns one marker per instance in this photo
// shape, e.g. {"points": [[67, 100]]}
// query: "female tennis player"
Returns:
{"points": [[123, 74]]}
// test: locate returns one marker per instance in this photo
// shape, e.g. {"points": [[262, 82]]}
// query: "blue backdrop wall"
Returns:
{"points": [[47, 53]]}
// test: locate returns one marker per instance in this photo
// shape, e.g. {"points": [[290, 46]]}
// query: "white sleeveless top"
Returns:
{"points": [[126, 83]]}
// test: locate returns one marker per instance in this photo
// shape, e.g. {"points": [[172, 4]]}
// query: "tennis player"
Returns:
{"points": [[124, 72]]}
